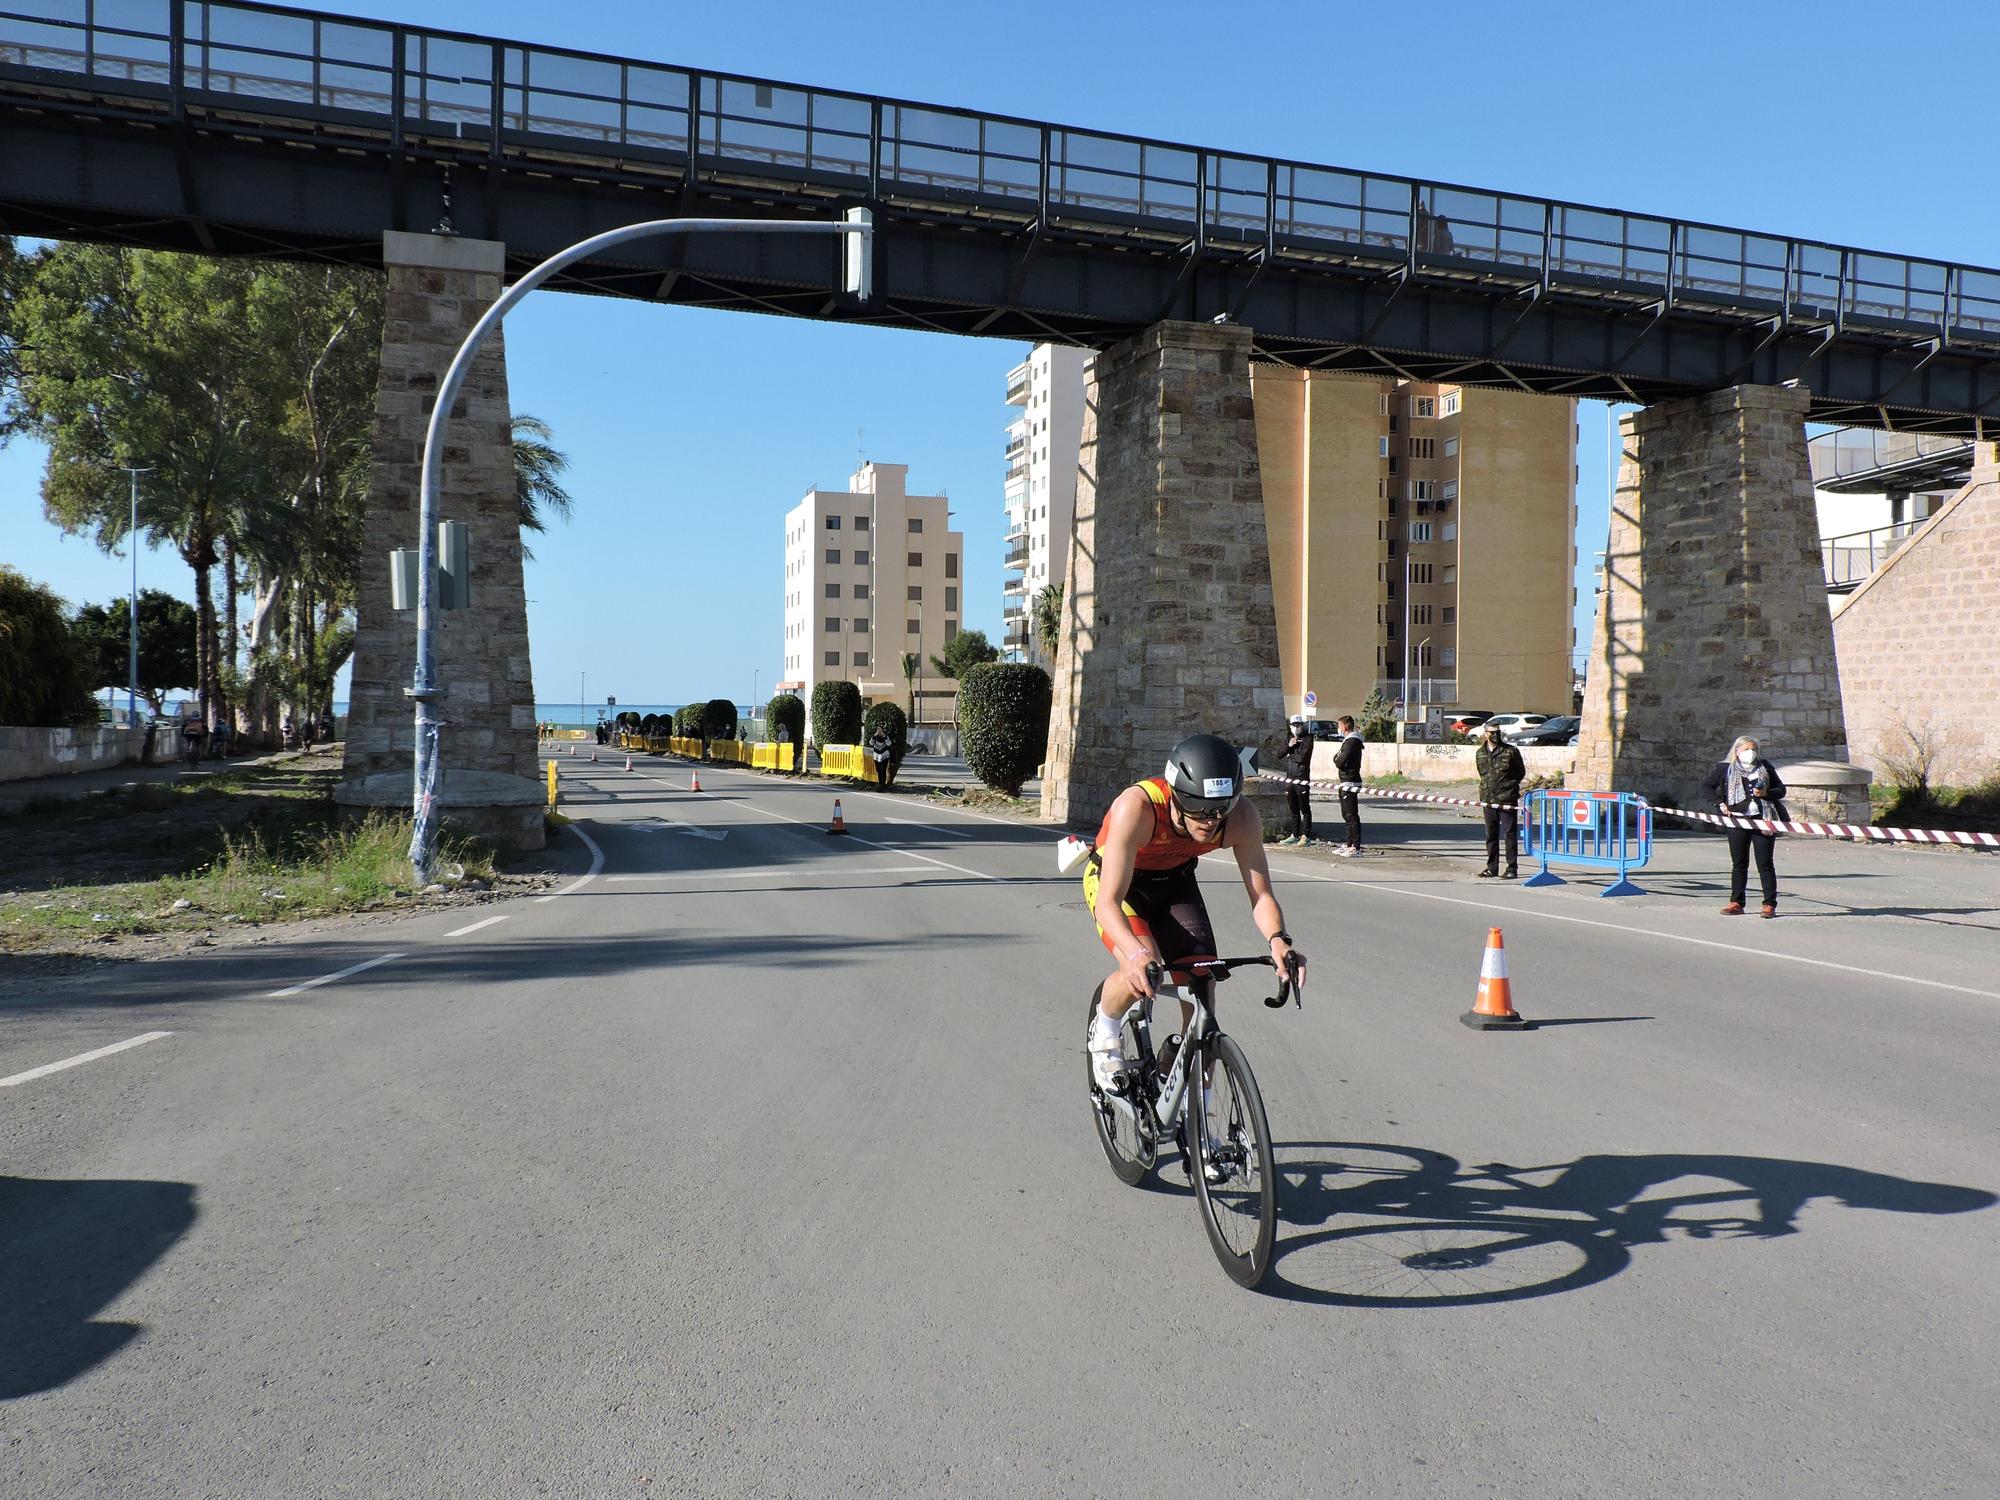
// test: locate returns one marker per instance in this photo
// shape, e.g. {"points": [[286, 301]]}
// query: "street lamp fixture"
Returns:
{"points": [[856, 230]]}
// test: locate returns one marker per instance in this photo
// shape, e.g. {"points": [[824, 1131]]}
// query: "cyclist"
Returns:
{"points": [[1141, 885]]}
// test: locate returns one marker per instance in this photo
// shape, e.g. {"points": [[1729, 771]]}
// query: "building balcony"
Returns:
{"points": [[1016, 555], [1017, 385]]}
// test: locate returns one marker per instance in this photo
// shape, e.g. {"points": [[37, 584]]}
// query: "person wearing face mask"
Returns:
{"points": [[1296, 758], [1747, 785], [1501, 771]]}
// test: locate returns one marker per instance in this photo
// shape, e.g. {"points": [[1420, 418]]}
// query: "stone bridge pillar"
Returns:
{"points": [[1715, 619], [1168, 626], [438, 287]]}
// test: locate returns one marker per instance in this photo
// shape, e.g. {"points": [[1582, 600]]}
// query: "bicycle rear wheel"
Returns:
{"points": [[1235, 1176], [1128, 1146]]}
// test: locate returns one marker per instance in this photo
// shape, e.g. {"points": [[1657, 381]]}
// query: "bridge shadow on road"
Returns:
{"points": [[1405, 1227], [67, 1250]]}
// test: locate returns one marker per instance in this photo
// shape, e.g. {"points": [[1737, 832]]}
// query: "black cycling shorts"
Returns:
{"points": [[1166, 906]]}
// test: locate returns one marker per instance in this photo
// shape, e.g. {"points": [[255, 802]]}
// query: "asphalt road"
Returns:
{"points": [[758, 1165]]}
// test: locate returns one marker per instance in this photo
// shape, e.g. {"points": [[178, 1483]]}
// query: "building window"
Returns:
{"points": [[1451, 404], [1451, 447], [1426, 406], [951, 599], [1392, 465], [1392, 627], [916, 524], [833, 658], [861, 658], [1383, 451], [1448, 656], [833, 523], [860, 523], [950, 629], [951, 561], [833, 554], [1450, 490], [1382, 405], [861, 624], [1451, 614], [1450, 533], [1423, 656], [1420, 573], [833, 591], [1378, 614], [1392, 588], [1451, 572], [1392, 505], [1381, 489], [1420, 531], [1392, 546], [916, 559], [916, 591], [860, 557], [913, 626], [1420, 489], [1422, 447], [861, 591], [1420, 614], [832, 624]]}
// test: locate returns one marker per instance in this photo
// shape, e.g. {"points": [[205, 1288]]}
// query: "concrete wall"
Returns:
{"points": [[1438, 762], [1919, 643], [28, 753]]}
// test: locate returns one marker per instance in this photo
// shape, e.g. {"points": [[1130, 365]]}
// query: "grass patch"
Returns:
{"points": [[1965, 809], [986, 799], [1394, 778], [266, 874]]}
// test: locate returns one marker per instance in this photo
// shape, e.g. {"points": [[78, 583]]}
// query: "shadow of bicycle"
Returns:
{"points": [[1414, 1228]]}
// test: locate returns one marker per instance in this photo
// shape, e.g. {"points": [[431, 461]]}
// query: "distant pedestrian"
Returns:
{"points": [[882, 750], [1747, 785], [1501, 772], [1347, 766], [1296, 758]]}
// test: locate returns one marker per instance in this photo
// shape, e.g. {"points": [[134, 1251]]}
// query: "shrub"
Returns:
{"points": [[1003, 721], [787, 710], [44, 676], [687, 720], [836, 713], [718, 719], [892, 719], [1377, 720]]}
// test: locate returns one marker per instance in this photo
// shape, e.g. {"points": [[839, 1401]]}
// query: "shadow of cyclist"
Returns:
{"points": [[1410, 1227]]}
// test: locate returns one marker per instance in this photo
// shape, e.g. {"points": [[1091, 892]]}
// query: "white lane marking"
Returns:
{"points": [[950, 833], [596, 864], [874, 844], [771, 874], [82, 1057], [461, 932], [1671, 937], [313, 984], [661, 825]]}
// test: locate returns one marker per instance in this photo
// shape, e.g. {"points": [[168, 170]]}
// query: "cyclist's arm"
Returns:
{"points": [[1131, 815], [1246, 838]]}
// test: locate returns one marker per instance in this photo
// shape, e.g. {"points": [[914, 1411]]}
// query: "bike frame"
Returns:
{"points": [[1164, 1115]]}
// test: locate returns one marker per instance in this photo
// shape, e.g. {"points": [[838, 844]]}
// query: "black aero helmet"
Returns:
{"points": [[1205, 774]]}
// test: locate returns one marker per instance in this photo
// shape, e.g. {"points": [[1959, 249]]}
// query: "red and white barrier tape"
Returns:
{"points": [[1865, 832]]}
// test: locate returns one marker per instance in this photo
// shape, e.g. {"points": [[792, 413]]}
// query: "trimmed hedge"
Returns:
{"points": [[1003, 722], [789, 710], [892, 719], [687, 720], [718, 718], [836, 713]]}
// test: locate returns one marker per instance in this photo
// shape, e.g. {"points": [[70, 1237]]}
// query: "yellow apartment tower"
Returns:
{"points": [[1422, 542]]}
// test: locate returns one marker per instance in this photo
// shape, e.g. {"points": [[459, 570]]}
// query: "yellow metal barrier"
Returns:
{"points": [[786, 752], [552, 784]]}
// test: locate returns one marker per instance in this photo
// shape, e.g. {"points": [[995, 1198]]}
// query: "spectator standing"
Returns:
{"points": [[1501, 772], [882, 750], [1296, 758], [1747, 785], [1347, 766]]}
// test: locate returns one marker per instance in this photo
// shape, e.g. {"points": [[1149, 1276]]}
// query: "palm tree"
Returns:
{"points": [[538, 469], [1048, 618], [910, 677]]}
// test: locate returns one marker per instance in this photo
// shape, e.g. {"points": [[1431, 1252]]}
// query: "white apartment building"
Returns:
{"points": [[1040, 486], [872, 572]]}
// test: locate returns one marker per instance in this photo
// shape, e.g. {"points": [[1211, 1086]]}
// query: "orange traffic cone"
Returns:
{"points": [[839, 823], [593, 757], [1494, 1009], [628, 762], [694, 781]]}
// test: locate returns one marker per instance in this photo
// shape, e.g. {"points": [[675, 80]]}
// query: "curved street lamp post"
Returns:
{"points": [[856, 227]]}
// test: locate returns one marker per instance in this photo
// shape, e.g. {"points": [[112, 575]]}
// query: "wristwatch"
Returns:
{"points": [[1281, 933]]}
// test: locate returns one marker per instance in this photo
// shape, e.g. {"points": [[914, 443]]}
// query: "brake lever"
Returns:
{"points": [[1289, 987]]}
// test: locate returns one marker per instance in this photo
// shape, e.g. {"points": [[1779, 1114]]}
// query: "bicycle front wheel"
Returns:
{"points": [[1236, 1177]]}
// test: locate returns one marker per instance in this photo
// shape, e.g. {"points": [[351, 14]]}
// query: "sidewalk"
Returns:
{"points": [[15, 795]]}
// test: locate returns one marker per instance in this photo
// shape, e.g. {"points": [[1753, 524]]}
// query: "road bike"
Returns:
{"points": [[1151, 1100]]}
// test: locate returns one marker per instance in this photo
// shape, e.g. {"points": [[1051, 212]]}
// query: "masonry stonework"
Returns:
{"points": [[438, 288], [1919, 643], [1168, 625], [1714, 622]]}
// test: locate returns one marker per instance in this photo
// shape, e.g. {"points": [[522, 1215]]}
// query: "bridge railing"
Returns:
{"points": [[233, 55], [1849, 559]]}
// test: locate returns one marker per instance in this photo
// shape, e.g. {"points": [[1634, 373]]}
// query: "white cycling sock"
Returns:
{"points": [[1102, 1025]]}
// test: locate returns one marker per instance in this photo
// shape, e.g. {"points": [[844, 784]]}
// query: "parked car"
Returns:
{"points": [[1510, 725], [1323, 729], [1560, 730], [1468, 721]]}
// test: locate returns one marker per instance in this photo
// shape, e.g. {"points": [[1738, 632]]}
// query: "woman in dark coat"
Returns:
{"points": [[1747, 785]]}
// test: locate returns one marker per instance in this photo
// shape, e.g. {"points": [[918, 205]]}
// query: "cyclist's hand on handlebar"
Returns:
{"points": [[1140, 971], [1291, 963]]}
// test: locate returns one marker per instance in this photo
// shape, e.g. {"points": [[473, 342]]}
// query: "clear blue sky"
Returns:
{"points": [[692, 433]]}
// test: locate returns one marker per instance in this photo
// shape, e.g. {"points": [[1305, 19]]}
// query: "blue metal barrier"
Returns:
{"points": [[1590, 830]]}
